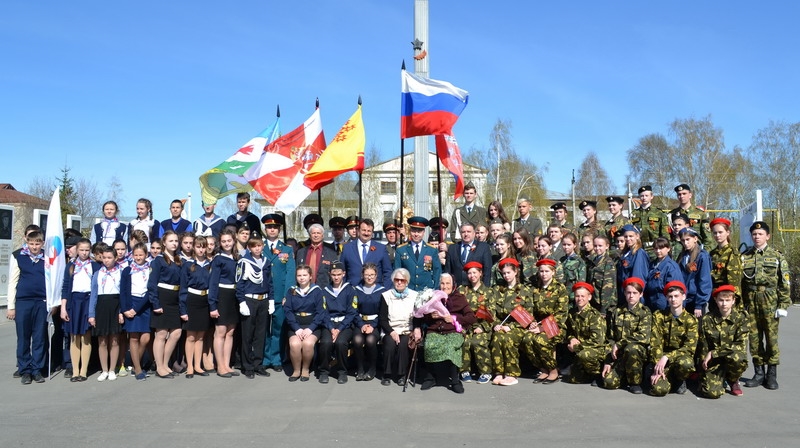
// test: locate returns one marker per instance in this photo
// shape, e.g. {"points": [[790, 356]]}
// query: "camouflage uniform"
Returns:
{"points": [[603, 276], [528, 269], [614, 225], [477, 343], [630, 332], [565, 226], [505, 346], [652, 223], [594, 227], [765, 288], [726, 269], [588, 327], [573, 270], [726, 337], [699, 220], [675, 338], [546, 301]]}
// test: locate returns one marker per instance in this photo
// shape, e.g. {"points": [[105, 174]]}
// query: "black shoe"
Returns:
{"points": [[26, 379], [81, 379], [594, 383], [369, 377], [384, 382], [681, 388], [68, 373], [342, 378], [203, 373], [359, 377], [303, 379], [457, 387], [249, 374], [401, 382], [292, 379], [168, 376], [323, 378], [262, 371], [277, 368], [235, 374], [635, 389], [427, 384], [224, 375], [189, 376], [38, 378], [771, 382], [16, 374], [74, 379]]}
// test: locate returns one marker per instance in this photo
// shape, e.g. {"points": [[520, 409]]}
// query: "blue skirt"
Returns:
{"points": [[141, 321], [78, 311]]}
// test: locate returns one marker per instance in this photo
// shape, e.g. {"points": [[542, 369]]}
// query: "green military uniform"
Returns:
{"points": [[552, 300], [603, 277], [573, 270], [529, 270], [630, 332], [505, 346], [613, 226], [726, 338], [588, 327], [477, 343], [765, 289], [699, 220], [676, 249], [726, 269], [652, 223], [675, 338], [595, 227], [565, 226]]}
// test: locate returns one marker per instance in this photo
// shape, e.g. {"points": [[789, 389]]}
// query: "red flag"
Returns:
{"points": [[550, 326], [522, 316], [448, 152], [483, 313]]}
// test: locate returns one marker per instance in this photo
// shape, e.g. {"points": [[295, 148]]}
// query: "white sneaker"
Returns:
{"points": [[103, 376], [122, 372], [112, 376]]}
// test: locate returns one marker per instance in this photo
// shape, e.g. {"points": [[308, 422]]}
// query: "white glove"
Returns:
{"points": [[780, 313], [244, 310], [271, 307]]}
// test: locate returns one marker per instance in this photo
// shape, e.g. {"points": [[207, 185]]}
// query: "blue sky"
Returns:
{"points": [[156, 93]]}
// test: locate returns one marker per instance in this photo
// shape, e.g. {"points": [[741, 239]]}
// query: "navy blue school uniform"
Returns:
{"points": [[631, 264], [181, 226], [282, 263], [376, 253], [365, 346], [425, 269], [661, 273], [193, 295], [76, 289], [254, 287], [150, 227], [305, 310], [341, 315], [697, 278], [162, 291], [208, 227], [133, 296], [104, 301], [222, 290], [27, 296], [108, 231]]}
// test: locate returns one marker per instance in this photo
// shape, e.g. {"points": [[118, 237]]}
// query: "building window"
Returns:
{"points": [[388, 187], [388, 216]]}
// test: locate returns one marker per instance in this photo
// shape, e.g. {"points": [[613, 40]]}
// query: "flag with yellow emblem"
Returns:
{"points": [[344, 153]]}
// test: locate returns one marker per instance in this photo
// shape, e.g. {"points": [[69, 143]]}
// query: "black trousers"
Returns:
{"points": [[254, 333], [339, 347], [398, 366], [365, 349]]}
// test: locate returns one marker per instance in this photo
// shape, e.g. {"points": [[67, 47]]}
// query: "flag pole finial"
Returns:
{"points": [[359, 100], [317, 102], [279, 111], [403, 67]]}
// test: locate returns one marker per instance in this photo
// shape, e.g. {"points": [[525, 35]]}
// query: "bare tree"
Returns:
{"points": [[593, 180], [774, 153], [87, 200], [41, 187], [115, 190]]}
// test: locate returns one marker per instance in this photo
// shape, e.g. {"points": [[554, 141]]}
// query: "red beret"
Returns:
{"points": [[506, 261], [474, 264], [724, 221], [584, 285], [546, 261], [676, 283], [630, 280], [722, 288]]}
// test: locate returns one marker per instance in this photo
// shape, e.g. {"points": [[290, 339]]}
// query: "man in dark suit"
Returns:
{"points": [[365, 250], [318, 255], [468, 250], [421, 260]]}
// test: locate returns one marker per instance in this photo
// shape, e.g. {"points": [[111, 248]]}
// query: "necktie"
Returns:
{"points": [[416, 251], [469, 210], [363, 252], [464, 253]]}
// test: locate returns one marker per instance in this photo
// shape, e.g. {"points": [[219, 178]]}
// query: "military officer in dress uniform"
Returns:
{"points": [[469, 212], [352, 223], [392, 235], [651, 221], [526, 221], [421, 260], [280, 257], [589, 210], [338, 225], [560, 217], [613, 225], [438, 237], [699, 219]]}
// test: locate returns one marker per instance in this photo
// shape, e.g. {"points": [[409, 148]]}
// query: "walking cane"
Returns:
{"points": [[412, 366]]}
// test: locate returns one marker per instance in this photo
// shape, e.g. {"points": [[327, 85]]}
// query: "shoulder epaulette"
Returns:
{"points": [[402, 245]]}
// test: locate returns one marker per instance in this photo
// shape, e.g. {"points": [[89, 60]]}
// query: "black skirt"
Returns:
{"points": [[170, 319], [228, 307], [106, 315], [197, 309]]}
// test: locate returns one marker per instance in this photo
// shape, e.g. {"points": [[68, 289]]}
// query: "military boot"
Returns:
{"points": [[772, 377], [757, 379]]}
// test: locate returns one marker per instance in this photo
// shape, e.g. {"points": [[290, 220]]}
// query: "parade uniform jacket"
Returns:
{"points": [[697, 278], [323, 274], [589, 327], [661, 273], [726, 268], [134, 283], [199, 279], [341, 312], [179, 227], [628, 326], [765, 280], [223, 272], [367, 305], [426, 271], [282, 265], [477, 299], [477, 216], [652, 223], [161, 272], [456, 303], [505, 299], [700, 221], [214, 227], [376, 253], [479, 251], [312, 303], [673, 336], [603, 277], [253, 277], [725, 336]]}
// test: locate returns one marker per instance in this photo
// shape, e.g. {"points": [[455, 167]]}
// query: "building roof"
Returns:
{"points": [[10, 195]]}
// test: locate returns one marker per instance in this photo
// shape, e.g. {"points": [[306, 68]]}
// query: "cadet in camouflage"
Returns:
{"points": [[722, 354], [673, 343], [585, 336]]}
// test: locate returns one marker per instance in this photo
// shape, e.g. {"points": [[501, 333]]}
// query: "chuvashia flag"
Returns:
{"points": [[344, 153], [429, 106]]}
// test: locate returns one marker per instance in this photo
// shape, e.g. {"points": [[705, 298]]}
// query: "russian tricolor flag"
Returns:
{"points": [[429, 106]]}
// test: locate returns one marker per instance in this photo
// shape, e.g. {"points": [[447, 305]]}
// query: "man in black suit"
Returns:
{"points": [[366, 250], [468, 250], [318, 255]]}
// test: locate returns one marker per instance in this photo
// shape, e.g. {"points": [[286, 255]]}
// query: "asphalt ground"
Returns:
{"points": [[212, 411]]}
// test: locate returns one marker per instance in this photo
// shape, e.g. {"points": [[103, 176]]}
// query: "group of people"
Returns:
{"points": [[636, 301]]}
